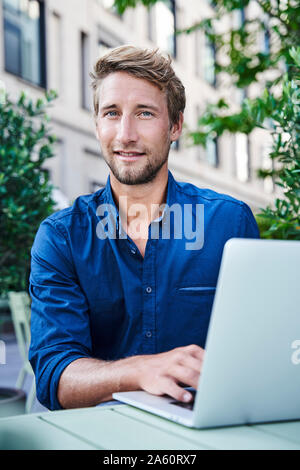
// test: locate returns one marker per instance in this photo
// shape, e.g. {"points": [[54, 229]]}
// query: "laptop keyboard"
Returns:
{"points": [[189, 405]]}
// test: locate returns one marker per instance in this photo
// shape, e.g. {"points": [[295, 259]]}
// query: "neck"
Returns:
{"points": [[139, 204]]}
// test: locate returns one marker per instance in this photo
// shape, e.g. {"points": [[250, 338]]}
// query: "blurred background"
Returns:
{"points": [[239, 61], [54, 44]]}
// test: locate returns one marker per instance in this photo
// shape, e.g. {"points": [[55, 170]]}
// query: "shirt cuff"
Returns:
{"points": [[54, 403]]}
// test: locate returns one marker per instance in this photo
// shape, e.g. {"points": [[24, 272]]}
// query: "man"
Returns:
{"points": [[121, 297]]}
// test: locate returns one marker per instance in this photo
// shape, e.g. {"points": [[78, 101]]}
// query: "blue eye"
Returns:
{"points": [[111, 113], [147, 113]]}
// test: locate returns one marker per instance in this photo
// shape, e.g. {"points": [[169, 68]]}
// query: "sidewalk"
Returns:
{"points": [[9, 371]]}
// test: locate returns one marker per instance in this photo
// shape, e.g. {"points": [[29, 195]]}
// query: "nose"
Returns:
{"points": [[127, 132]]}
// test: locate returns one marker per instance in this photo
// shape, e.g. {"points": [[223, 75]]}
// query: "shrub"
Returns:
{"points": [[25, 191]]}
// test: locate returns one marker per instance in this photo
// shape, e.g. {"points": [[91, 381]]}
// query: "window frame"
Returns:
{"points": [[152, 29], [42, 59], [216, 143], [84, 59]]}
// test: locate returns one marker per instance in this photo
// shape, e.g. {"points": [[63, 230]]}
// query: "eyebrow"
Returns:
{"points": [[139, 106], [148, 106], [109, 106]]}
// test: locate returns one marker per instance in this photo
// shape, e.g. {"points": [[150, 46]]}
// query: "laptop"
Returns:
{"points": [[251, 371]]}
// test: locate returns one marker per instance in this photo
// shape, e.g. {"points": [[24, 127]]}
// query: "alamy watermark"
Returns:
{"points": [[178, 222], [2, 352], [295, 358]]}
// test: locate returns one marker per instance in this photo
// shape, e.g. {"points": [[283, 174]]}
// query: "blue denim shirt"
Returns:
{"points": [[96, 296]]}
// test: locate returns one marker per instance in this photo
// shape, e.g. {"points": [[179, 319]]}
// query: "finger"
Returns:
{"points": [[196, 351], [191, 362], [185, 375], [173, 390], [179, 354]]}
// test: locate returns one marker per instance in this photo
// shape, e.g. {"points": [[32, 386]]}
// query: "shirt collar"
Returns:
{"points": [[171, 197]]}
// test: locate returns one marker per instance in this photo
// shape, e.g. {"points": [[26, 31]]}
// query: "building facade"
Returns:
{"points": [[53, 44]]}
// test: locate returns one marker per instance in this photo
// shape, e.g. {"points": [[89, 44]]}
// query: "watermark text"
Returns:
{"points": [[177, 222], [295, 358]]}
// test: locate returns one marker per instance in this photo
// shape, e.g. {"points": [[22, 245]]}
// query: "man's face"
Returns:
{"points": [[133, 128]]}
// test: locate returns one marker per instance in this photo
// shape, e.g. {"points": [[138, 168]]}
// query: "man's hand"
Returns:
{"points": [[88, 381], [161, 374]]}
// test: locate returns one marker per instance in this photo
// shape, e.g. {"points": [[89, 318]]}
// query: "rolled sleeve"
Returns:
{"points": [[60, 326]]}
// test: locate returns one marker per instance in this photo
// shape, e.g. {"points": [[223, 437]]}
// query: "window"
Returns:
{"points": [[95, 186], [106, 41], [242, 157], [103, 48], [57, 78], [85, 92], [267, 163], [24, 40], [91, 152], [238, 18], [242, 154], [175, 145], [266, 37], [209, 58], [164, 22], [198, 38], [266, 41], [211, 152]]}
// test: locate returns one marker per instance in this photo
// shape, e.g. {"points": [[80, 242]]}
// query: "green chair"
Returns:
{"points": [[5, 316], [19, 303]]}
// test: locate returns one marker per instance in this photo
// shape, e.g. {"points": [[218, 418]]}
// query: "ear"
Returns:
{"points": [[176, 128]]}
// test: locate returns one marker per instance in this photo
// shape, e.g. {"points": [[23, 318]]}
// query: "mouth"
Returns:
{"points": [[128, 156]]}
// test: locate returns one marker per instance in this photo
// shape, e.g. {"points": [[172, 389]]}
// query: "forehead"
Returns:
{"points": [[121, 88]]}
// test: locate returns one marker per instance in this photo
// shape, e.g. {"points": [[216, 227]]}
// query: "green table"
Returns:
{"points": [[123, 427]]}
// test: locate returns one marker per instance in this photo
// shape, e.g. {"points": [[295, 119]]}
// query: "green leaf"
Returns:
{"points": [[25, 198]]}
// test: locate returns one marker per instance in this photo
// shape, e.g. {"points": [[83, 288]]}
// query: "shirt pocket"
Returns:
{"points": [[196, 290]]}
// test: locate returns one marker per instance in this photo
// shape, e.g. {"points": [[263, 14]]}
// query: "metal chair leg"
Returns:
{"points": [[21, 378], [30, 398]]}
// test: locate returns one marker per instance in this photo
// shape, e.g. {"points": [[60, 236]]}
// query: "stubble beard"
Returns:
{"points": [[134, 176]]}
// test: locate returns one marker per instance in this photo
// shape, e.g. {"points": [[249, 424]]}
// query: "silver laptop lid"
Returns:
{"points": [[252, 366]]}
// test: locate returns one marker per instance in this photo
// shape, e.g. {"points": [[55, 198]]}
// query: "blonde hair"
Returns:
{"points": [[148, 64]]}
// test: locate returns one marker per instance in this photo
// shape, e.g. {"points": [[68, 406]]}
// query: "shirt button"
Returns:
{"points": [[148, 334], [148, 290]]}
